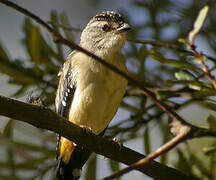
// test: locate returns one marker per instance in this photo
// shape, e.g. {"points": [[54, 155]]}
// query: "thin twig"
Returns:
{"points": [[165, 148], [200, 57], [168, 45], [206, 70]]}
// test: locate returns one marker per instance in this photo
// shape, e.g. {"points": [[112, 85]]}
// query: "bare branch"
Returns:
{"points": [[169, 45], [181, 132], [165, 148], [200, 57], [44, 118]]}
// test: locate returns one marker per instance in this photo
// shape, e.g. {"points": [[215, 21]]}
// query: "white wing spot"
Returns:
{"points": [[63, 103]]}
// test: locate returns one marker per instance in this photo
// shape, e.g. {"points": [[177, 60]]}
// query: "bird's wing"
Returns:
{"points": [[66, 88], [76, 158], [65, 92]]}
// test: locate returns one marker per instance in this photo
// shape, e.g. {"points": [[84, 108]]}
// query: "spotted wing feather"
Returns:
{"points": [[65, 94]]}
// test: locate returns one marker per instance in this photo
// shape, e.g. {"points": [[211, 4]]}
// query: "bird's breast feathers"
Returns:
{"points": [[98, 94]]}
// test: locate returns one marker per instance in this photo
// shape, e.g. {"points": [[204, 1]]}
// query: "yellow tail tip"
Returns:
{"points": [[66, 149]]}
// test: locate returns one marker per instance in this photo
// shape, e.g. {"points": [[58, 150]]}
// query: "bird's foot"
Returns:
{"points": [[89, 129], [115, 140]]}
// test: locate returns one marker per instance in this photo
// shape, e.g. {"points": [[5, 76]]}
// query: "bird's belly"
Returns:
{"points": [[95, 104]]}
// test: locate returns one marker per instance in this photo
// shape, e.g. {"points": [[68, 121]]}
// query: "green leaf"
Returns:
{"points": [[3, 54], [196, 85], [212, 121], [8, 130], [8, 177], [209, 105], [184, 75], [20, 91], [162, 95], [182, 162], [55, 22], [165, 133], [204, 93], [147, 144], [114, 166], [91, 169], [37, 48], [195, 160], [209, 150], [198, 23], [34, 44], [172, 62], [65, 22], [19, 74]]}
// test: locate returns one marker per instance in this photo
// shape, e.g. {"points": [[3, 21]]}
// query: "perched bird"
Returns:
{"points": [[89, 93]]}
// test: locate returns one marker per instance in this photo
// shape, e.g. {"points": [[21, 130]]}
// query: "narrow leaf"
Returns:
{"points": [[198, 23], [147, 144], [65, 22], [209, 150], [34, 44], [174, 63], [209, 105], [3, 53], [91, 169], [114, 166], [185, 76], [55, 22], [212, 122], [9, 129]]}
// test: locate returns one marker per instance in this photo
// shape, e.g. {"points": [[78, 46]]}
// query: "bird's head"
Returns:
{"points": [[105, 32]]}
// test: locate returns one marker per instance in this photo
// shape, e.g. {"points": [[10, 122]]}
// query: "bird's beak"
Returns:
{"points": [[124, 28]]}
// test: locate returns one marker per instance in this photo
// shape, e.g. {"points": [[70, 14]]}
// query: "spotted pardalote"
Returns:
{"points": [[89, 93]]}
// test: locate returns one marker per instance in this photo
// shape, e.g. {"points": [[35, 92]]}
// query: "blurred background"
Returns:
{"points": [[29, 63]]}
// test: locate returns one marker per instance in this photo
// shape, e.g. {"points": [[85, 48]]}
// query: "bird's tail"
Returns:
{"points": [[71, 160]]}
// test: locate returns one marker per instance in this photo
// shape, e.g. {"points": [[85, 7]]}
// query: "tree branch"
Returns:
{"points": [[44, 118], [181, 132], [166, 147], [200, 57]]}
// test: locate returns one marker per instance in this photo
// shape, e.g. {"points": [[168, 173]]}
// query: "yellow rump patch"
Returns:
{"points": [[66, 149]]}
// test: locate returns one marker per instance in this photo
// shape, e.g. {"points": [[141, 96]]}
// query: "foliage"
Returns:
{"points": [[176, 77]]}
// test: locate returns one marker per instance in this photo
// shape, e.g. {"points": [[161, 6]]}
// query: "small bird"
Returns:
{"points": [[89, 93]]}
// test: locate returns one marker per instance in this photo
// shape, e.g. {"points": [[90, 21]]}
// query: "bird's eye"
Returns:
{"points": [[105, 27]]}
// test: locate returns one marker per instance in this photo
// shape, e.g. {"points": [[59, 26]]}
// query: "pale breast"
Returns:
{"points": [[98, 94]]}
